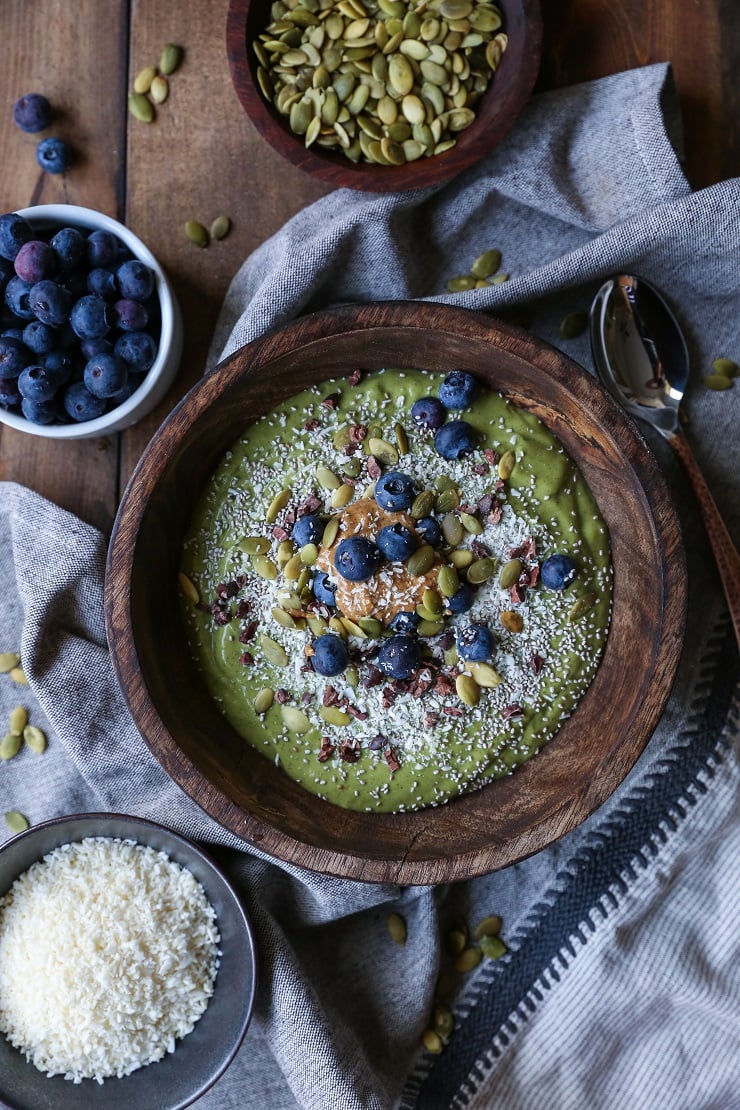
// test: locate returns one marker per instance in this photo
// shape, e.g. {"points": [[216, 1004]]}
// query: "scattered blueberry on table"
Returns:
{"points": [[53, 155], [79, 322], [32, 113]]}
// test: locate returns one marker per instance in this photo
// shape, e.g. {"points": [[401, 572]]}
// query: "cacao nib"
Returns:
{"points": [[491, 456], [392, 760], [354, 377], [332, 401], [512, 712], [312, 424], [536, 662], [246, 658], [282, 696], [374, 468], [350, 751], [326, 750], [247, 633]]}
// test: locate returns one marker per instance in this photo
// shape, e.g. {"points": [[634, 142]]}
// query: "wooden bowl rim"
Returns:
{"points": [[589, 789], [520, 69]]}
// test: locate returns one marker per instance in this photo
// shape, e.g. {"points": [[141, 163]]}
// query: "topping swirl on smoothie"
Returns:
{"points": [[411, 602]]}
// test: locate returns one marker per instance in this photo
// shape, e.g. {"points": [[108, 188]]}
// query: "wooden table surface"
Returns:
{"points": [[202, 158]]}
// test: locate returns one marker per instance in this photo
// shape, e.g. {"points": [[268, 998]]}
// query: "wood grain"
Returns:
{"points": [[506, 820]]}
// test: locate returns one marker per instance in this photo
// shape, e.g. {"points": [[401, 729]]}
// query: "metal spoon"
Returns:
{"points": [[641, 357]]}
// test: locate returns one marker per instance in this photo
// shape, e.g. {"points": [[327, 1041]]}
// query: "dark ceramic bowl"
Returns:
{"points": [[507, 819], [496, 112], [202, 1056]]}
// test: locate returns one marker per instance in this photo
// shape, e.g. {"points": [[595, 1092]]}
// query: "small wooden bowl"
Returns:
{"points": [[507, 820], [507, 93]]}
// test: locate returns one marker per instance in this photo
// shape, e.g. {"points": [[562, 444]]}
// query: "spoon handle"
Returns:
{"points": [[724, 550]]}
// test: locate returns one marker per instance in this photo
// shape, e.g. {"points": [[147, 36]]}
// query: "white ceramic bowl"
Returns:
{"points": [[201, 1057], [162, 372]]}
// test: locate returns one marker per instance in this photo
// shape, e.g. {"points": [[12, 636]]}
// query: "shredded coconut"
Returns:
{"points": [[108, 955]]}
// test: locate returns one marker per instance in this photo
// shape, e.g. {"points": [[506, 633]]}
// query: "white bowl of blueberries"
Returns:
{"points": [[90, 331]]}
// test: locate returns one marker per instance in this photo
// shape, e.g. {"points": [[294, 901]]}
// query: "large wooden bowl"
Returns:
{"points": [[506, 820], [500, 105]]}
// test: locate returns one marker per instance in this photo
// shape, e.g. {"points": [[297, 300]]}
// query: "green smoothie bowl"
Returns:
{"points": [[396, 593]]}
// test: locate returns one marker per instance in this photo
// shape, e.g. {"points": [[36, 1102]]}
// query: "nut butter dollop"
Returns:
{"points": [[391, 589]]}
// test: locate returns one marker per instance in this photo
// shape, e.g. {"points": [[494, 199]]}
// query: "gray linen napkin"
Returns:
{"points": [[626, 926]]}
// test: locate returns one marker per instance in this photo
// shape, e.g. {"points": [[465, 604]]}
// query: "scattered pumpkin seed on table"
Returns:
{"points": [[15, 821]]}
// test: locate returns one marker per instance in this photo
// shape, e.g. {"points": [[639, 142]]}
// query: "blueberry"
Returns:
{"points": [[399, 657], [135, 280], [405, 621], [397, 542], [89, 317], [35, 261], [40, 412], [105, 375], [50, 302], [36, 383], [6, 273], [137, 348], [475, 642], [455, 439], [32, 113], [394, 491], [69, 247], [330, 655], [130, 315], [14, 232], [103, 249], [308, 529], [53, 155], [13, 333], [90, 347], [461, 601], [61, 363], [17, 294], [14, 357], [458, 390], [10, 398], [133, 381], [429, 530], [429, 411], [39, 338], [558, 572], [357, 559], [80, 404], [324, 590], [103, 282]]}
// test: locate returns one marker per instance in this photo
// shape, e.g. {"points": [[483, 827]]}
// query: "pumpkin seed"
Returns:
{"points": [[254, 545], [140, 107], [282, 618], [284, 553], [352, 676], [273, 651], [170, 58], [264, 567], [144, 78], [468, 959], [19, 675], [326, 478], [330, 532], [18, 720], [481, 570], [295, 720], [461, 558], [467, 689], [423, 504], [421, 560], [342, 496], [35, 739], [334, 716], [220, 227], [396, 926], [456, 940], [263, 700], [353, 629], [443, 482], [484, 675], [336, 626], [293, 568], [8, 660], [488, 927], [10, 745], [279, 501], [428, 616], [448, 582], [506, 464], [725, 367], [400, 74], [432, 601], [582, 606], [471, 523], [452, 529], [512, 621], [498, 279], [443, 1022], [159, 89], [318, 625], [717, 382], [448, 500], [188, 588], [196, 233], [460, 283], [402, 440], [426, 628], [309, 553], [15, 821], [510, 573], [352, 468], [373, 627], [486, 264], [304, 580], [432, 1041], [383, 451], [492, 947]]}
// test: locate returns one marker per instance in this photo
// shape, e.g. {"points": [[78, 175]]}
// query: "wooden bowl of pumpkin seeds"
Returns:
{"points": [[150, 606], [383, 94]]}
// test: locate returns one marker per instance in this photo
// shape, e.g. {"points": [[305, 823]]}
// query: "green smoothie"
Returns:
{"points": [[364, 738]]}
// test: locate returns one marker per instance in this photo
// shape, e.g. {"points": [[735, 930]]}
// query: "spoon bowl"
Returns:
{"points": [[641, 357]]}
